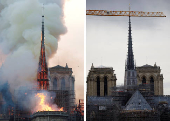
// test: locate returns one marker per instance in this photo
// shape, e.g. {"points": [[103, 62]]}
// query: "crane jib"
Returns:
{"points": [[124, 13]]}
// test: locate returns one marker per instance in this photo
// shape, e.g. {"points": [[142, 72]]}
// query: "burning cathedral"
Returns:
{"points": [[51, 98], [139, 99]]}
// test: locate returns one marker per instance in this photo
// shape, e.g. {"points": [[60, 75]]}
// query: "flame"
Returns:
{"points": [[61, 109], [43, 106]]}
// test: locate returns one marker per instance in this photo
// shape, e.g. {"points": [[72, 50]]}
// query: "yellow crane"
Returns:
{"points": [[124, 13]]}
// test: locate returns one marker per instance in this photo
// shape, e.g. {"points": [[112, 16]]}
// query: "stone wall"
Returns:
{"points": [[101, 73], [148, 72]]}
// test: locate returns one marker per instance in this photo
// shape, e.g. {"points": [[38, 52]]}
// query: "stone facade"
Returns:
{"points": [[100, 80], [62, 83], [148, 74], [130, 78], [61, 78]]}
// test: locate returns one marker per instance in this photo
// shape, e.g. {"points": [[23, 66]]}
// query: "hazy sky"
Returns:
{"points": [[107, 36], [71, 45]]}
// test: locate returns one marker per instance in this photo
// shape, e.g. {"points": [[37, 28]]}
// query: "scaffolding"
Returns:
{"points": [[21, 113], [101, 109], [98, 108], [139, 115], [63, 98], [81, 106]]}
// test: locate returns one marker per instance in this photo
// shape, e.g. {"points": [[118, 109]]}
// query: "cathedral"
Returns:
{"points": [[139, 99], [56, 79]]}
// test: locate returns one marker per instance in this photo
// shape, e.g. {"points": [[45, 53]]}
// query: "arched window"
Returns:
{"points": [[128, 82], [133, 82], [98, 86], [143, 80], [133, 73], [105, 86], [63, 84], [152, 84], [55, 84], [129, 73], [72, 83]]}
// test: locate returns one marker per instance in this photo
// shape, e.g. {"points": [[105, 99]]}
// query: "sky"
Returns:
{"points": [[107, 37], [71, 45]]}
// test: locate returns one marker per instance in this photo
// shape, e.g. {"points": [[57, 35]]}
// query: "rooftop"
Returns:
{"points": [[137, 102], [147, 65], [50, 113], [101, 66]]}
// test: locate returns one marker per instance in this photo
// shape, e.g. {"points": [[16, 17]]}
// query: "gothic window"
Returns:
{"points": [[152, 84], [143, 80], [133, 82], [105, 86], [128, 82], [98, 86], [133, 73], [128, 73], [72, 83], [63, 84], [55, 84]]}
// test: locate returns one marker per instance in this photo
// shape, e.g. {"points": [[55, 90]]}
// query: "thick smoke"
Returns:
{"points": [[4, 88], [20, 37]]}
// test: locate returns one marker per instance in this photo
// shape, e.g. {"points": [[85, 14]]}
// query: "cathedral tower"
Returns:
{"points": [[42, 72], [100, 80], [130, 71]]}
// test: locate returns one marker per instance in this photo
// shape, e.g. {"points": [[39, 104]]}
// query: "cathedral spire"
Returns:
{"points": [[130, 68], [130, 58], [42, 74], [42, 33]]}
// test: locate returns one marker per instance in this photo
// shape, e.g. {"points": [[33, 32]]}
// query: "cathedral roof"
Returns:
{"points": [[58, 66], [101, 66], [137, 102], [146, 65]]}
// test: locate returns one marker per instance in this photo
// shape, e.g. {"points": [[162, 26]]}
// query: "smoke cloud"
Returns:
{"points": [[20, 37]]}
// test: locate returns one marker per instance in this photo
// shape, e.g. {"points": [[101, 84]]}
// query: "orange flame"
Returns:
{"points": [[42, 106]]}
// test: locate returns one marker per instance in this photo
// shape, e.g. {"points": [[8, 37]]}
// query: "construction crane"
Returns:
{"points": [[124, 13]]}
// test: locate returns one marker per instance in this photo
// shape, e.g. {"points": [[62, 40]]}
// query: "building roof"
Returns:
{"points": [[137, 102], [146, 65], [101, 66], [58, 66], [50, 113]]}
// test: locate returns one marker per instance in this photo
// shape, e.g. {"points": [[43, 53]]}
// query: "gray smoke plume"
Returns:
{"points": [[20, 37]]}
